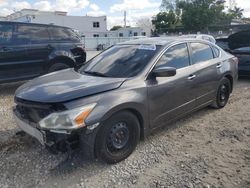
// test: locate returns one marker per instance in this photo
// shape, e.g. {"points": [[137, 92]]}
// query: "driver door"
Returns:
{"points": [[171, 97]]}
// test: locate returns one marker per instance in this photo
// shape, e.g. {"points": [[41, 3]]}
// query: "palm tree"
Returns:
{"points": [[236, 13]]}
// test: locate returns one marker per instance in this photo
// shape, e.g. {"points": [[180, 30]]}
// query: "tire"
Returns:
{"points": [[58, 66], [118, 137], [223, 94]]}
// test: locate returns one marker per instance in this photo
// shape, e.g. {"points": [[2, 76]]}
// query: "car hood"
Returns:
{"points": [[64, 86]]}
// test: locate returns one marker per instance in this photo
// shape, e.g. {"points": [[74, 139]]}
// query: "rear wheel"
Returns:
{"points": [[118, 137], [58, 66], [223, 94]]}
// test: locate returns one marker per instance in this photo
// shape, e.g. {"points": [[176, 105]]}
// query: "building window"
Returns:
{"points": [[135, 34], [120, 34], [95, 35], [143, 33], [96, 24], [105, 35]]}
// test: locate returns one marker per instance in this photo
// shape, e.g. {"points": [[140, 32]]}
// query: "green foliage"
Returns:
{"points": [[165, 20], [236, 13], [116, 27], [194, 15], [198, 15]]}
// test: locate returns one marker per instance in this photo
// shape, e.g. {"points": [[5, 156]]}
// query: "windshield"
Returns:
{"points": [[121, 61]]}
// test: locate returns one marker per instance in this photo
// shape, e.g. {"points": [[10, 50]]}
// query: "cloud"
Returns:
{"points": [[94, 7], [43, 5], [133, 5], [9, 6], [95, 10], [20, 5]]}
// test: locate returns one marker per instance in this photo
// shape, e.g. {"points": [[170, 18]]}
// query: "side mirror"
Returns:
{"points": [[163, 71]]}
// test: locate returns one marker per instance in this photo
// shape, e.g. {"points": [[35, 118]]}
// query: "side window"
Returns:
{"points": [[177, 56], [6, 32], [216, 52], [63, 34], [31, 34], [201, 52]]}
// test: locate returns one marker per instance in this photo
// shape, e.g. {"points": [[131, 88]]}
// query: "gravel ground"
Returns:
{"points": [[210, 148]]}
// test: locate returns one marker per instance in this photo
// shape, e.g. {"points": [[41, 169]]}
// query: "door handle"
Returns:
{"points": [[49, 46], [191, 77], [219, 65], [6, 49]]}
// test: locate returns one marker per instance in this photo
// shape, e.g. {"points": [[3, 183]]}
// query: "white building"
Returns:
{"points": [[88, 26], [128, 32]]}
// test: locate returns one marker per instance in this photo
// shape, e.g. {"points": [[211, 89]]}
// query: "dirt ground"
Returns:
{"points": [[210, 148]]}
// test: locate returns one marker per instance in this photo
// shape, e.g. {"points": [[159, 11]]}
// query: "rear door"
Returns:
{"points": [[13, 54], [170, 97], [208, 71], [38, 46]]}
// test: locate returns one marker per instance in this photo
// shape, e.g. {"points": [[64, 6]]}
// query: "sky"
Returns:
{"points": [[113, 9]]}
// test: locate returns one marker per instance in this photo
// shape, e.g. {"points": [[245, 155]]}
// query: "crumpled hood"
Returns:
{"points": [[64, 86]]}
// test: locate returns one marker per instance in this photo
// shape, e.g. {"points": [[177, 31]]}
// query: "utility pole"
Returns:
{"points": [[125, 19]]}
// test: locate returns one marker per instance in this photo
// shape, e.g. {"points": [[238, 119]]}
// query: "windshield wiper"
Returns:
{"points": [[95, 73]]}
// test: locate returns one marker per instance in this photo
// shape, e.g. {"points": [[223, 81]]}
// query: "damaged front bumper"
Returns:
{"points": [[60, 140]]}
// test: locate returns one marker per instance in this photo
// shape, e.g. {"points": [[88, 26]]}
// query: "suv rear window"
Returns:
{"points": [[32, 34], [201, 52], [6, 32], [63, 34]]}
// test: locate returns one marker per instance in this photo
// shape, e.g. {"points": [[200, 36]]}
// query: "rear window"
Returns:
{"points": [[31, 34], [63, 34], [201, 52], [6, 32]]}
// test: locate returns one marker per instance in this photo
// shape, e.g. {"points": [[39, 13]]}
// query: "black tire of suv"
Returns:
{"points": [[221, 101], [124, 120], [58, 66]]}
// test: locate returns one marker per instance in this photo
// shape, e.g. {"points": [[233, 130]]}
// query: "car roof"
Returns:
{"points": [[38, 24], [162, 41]]}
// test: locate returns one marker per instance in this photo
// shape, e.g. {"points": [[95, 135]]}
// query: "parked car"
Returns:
{"points": [[30, 50], [238, 44], [209, 38], [125, 93]]}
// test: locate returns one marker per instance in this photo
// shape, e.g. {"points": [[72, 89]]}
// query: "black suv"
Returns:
{"points": [[30, 50]]}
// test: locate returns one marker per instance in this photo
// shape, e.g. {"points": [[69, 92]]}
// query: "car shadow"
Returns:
{"points": [[10, 88]]}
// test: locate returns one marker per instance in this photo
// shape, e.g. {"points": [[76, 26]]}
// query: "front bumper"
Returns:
{"points": [[58, 141]]}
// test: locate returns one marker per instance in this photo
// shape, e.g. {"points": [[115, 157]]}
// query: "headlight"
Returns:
{"points": [[70, 119]]}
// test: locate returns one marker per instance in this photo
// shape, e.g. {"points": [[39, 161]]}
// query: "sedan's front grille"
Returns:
{"points": [[33, 115]]}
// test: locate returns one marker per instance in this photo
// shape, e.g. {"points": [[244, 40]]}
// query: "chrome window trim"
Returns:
{"points": [[162, 53]]}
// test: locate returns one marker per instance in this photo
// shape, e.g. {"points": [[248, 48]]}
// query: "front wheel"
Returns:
{"points": [[223, 94], [118, 137]]}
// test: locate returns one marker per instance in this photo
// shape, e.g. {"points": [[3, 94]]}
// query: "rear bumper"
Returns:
{"points": [[58, 141]]}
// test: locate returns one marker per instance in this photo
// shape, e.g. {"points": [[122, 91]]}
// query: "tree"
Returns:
{"points": [[198, 15], [236, 13], [165, 21], [116, 27]]}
